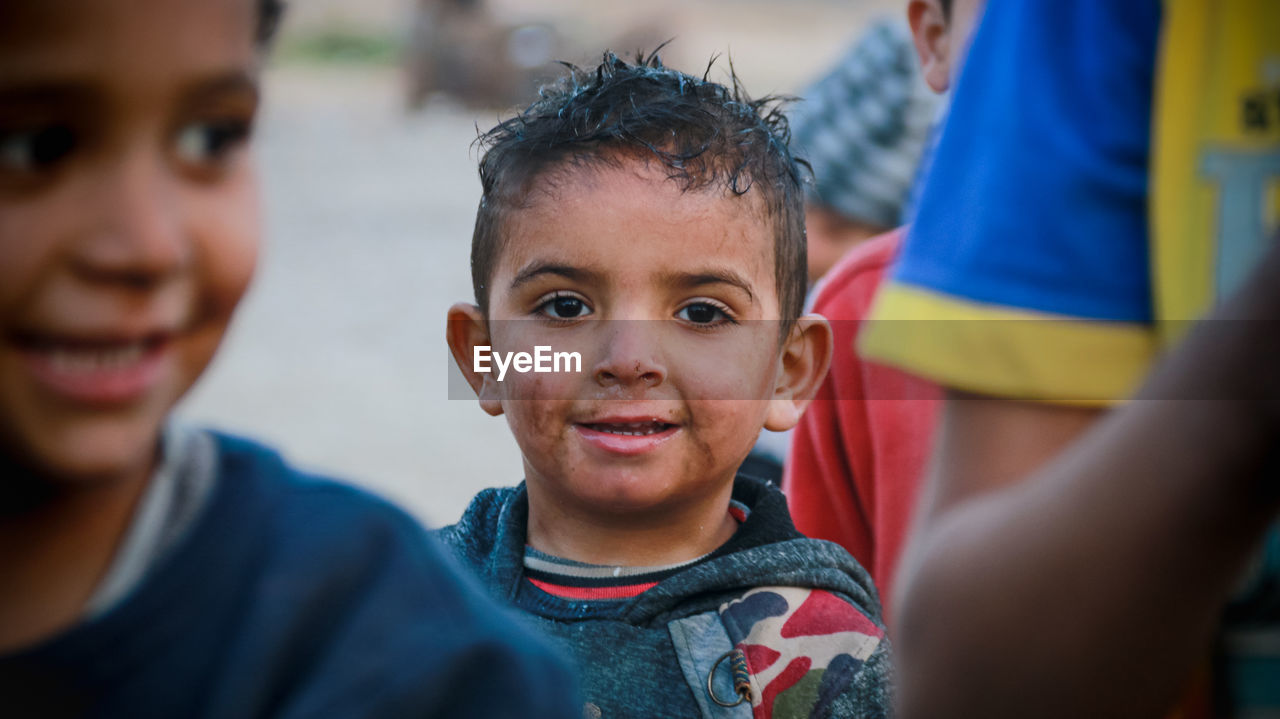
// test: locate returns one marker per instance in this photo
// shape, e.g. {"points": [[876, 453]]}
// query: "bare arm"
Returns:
{"points": [[1072, 564]]}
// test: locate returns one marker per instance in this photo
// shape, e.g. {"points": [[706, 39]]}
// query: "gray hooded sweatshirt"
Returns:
{"points": [[770, 625]]}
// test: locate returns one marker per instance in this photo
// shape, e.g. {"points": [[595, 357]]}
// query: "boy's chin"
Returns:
{"points": [[636, 494], [92, 454]]}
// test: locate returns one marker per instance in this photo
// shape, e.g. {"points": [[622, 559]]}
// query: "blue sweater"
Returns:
{"points": [[798, 617], [293, 597]]}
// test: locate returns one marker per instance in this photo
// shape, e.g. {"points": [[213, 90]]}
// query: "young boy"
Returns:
{"points": [[652, 223], [147, 570]]}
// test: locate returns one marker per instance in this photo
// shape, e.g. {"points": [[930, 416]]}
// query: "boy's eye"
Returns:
{"points": [[703, 313], [35, 149], [564, 307], [209, 142]]}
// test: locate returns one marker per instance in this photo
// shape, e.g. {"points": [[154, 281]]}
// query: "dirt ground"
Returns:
{"points": [[337, 356]]}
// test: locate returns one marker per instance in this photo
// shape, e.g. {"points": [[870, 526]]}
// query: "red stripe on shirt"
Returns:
{"points": [[625, 591]]}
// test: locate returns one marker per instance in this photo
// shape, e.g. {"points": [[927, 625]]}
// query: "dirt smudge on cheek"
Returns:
{"points": [[545, 405], [704, 454]]}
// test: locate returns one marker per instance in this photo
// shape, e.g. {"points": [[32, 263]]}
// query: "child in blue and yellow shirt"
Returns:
{"points": [[1108, 175]]}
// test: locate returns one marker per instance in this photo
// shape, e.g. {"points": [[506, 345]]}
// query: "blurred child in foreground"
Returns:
{"points": [[148, 569]]}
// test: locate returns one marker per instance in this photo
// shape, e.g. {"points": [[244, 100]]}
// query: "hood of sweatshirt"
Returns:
{"points": [[766, 550]]}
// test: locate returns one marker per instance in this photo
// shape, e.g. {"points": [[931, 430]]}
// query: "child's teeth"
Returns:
{"points": [[634, 429], [72, 361]]}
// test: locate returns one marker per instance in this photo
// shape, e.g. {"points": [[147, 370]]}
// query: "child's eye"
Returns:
{"points": [[564, 307], [35, 149], [704, 313], [205, 143]]}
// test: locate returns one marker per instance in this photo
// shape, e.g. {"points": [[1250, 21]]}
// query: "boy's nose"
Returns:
{"points": [[135, 236], [632, 355]]}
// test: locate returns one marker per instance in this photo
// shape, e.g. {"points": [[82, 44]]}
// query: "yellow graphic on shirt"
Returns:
{"points": [[1216, 152]]}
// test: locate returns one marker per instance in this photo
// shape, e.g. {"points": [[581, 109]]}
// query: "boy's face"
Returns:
{"points": [[128, 219], [671, 300]]}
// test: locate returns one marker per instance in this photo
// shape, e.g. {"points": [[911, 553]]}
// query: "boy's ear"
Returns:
{"points": [[806, 355], [467, 330], [931, 34]]}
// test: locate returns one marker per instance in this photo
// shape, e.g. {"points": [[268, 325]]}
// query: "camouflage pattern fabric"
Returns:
{"points": [[802, 647]]}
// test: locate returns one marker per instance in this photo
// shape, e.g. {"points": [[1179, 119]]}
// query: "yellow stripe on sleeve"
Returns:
{"points": [[1003, 352]]}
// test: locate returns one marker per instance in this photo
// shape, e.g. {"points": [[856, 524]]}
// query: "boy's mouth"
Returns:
{"points": [[630, 429], [626, 435], [95, 371]]}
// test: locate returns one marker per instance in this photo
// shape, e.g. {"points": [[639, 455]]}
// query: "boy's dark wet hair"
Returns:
{"points": [[946, 8], [269, 15], [706, 135]]}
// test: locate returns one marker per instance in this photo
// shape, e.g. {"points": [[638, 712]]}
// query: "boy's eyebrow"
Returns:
{"points": [[86, 92], [46, 94], [537, 269], [235, 81], [703, 278]]}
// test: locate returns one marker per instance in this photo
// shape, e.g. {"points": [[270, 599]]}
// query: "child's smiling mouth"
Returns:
{"points": [[631, 429], [96, 371], [626, 435]]}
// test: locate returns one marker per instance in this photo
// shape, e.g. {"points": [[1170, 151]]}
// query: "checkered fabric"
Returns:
{"points": [[863, 126]]}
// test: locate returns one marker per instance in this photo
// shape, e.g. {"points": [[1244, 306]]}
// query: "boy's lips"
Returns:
{"points": [[626, 435], [102, 370]]}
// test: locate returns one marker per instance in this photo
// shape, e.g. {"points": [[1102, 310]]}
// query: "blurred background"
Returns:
{"points": [[337, 356]]}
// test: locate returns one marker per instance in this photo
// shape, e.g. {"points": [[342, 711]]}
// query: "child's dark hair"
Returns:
{"points": [[946, 8], [269, 15], [704, 134]]}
